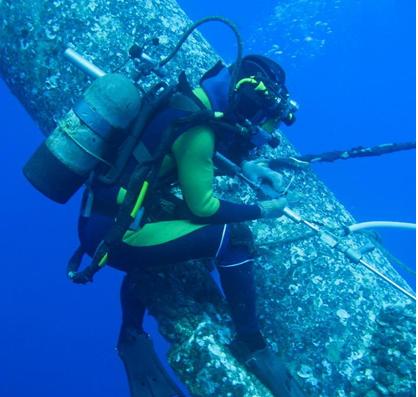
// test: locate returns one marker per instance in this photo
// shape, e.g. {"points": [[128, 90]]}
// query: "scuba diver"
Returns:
{"points": [[200, 225], [129, 146]]}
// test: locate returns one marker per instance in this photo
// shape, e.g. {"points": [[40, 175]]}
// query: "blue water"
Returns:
{"points": [[350, 65]]}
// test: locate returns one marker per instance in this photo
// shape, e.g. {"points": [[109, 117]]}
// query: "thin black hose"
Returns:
{"points": [[202, 21]]}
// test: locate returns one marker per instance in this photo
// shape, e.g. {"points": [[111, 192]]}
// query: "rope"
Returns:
{"points": [[387, 253]]}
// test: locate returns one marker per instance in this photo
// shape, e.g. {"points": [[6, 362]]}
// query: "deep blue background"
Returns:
{"points": [[58, 339]]}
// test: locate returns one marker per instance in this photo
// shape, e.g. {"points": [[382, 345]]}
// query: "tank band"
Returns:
{"points": [[94, 120]]}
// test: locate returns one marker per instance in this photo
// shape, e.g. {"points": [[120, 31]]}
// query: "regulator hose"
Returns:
{"points": [[200, 22]]}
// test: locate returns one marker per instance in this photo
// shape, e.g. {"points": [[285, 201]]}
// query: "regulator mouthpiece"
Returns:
{"points": [[288, 113]]}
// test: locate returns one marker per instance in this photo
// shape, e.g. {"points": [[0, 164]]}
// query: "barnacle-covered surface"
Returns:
{"points": [[341, 331], [36, 33]]}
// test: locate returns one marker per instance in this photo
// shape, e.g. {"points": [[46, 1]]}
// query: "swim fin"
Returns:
{"points": [[268, 368], [146, 375]]}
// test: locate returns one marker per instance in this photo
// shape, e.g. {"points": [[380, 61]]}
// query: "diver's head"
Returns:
{"points": [[260, 93]]}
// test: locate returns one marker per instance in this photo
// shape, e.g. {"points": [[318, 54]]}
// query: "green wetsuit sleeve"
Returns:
{"points": [[193, 152]]}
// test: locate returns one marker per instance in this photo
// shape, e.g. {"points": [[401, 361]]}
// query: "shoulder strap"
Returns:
{"points": [[150, 104], [189, 100]]}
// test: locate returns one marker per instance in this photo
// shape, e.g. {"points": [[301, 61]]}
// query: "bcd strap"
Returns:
{"points": [[193, 103], [137, 190], [134, 199], [141, 153], [183, 84], [151, 102]]}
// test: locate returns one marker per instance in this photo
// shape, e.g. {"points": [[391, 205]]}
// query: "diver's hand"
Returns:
{"points": [[259, 172], [273, 208], [293, 198], [82, 277]]}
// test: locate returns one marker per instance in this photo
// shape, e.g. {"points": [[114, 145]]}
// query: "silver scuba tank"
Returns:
{"points": [[88, 135]]}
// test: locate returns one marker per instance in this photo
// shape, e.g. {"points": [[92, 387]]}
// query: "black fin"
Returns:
{"points": [[268, 368], [273, 373], [146, 375]]}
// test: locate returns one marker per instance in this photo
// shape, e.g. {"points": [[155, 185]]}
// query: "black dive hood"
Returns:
{"points": [[260, 92]]}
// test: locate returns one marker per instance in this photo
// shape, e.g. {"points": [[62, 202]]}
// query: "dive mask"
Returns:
{"points": [[259, 100], [281, 106], [261, 92]]}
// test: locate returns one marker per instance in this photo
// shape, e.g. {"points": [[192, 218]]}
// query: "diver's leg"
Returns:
{"points": [[235, 262], [146, 375], [231, 245], [133, 310], [235, 266], [237, 280], [201, 243]]}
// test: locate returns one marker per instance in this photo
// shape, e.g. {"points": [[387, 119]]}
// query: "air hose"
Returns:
{"points": [[379, 224], [304, 160], [200, 22]]}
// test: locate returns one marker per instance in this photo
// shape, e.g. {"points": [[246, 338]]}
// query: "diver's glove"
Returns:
{"points": [[259, 172], [84, 276], [274, 208], [80, 278], [293, 198]]}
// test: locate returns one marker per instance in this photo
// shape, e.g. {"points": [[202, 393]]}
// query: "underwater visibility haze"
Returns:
{"points": [[342, 331]]}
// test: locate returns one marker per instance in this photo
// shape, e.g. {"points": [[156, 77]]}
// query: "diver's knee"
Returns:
{"points": [[239, 247], [241, 236]]}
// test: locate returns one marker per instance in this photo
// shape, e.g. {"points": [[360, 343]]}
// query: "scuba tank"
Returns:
{"points": [[89, 135]]}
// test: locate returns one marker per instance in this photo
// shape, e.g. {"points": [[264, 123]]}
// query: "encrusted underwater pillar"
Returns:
{"points": [[342, 331]]}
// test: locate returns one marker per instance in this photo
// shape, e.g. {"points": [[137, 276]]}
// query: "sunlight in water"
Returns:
{"points": [[298, 28]]}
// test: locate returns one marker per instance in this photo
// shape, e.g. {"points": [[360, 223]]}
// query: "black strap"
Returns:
{"points": [[145, 171], [185, 99], [151, 102]]}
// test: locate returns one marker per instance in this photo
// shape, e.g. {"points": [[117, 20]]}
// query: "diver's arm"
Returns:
{"points": [[193, 152]]}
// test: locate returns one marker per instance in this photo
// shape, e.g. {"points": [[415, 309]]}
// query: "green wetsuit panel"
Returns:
{"points": [[159, 233], [192, 153]]}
